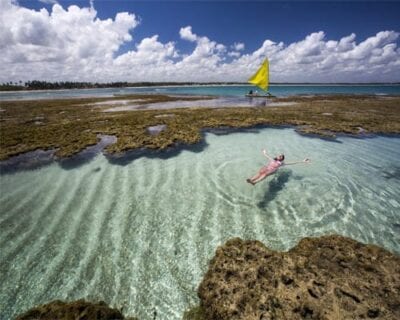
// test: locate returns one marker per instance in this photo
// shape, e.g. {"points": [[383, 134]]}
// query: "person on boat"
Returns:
{"points": [[250, 92], [272, 167]]}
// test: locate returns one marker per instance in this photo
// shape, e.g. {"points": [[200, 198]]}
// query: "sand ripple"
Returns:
{"points": [[139, 236]]}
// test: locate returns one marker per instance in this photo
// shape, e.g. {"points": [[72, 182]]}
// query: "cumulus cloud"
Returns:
{"points": [[69, 40], [187, 34], [238, 46], [75, 44], [234, 54], [150, 61], [49, 1]]}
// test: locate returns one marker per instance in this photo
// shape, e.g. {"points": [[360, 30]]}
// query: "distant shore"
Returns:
{"points": [[68, 126], [44, 85]]}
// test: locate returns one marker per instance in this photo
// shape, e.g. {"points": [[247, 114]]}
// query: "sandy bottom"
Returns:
{"points": [[138, 234]]}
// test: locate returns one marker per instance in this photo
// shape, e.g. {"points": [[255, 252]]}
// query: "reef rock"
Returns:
{"points": [[76, 310], [330, 277]]}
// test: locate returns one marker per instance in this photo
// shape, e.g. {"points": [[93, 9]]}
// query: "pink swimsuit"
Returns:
{"points": [[271, 167]]}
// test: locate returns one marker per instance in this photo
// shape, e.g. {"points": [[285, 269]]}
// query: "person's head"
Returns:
{"points": [[280, 157]]}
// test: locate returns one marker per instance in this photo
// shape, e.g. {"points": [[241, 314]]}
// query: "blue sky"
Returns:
{"points": [[253, 22], [250, 21], [287, 24]]}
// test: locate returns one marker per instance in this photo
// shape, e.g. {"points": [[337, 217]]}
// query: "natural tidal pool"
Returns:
{"points": [[139, 234]]}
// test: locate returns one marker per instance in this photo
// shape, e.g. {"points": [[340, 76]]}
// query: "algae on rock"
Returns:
{"points": [[330, 277], [75, 310]]}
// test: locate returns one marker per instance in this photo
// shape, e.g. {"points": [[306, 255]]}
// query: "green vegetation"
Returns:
{"points": [[45, 85], [11, 86], [70, 125]]}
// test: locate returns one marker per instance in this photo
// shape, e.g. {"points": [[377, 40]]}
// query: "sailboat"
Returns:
{"points": [[261, 80]]}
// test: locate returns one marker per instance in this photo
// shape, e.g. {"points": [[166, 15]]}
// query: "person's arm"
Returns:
{"points": [[266, 155], [306, 160]]}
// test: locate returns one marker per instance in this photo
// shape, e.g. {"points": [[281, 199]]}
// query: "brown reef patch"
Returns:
{"points": [[75, 310], [329, 277], [70, 125]]}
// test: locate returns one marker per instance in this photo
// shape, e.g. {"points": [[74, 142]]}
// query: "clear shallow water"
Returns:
{"points": [[139, 236], [226, 91]]}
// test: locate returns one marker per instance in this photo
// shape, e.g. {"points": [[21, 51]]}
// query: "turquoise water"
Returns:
{"points": [[229, 91], [139, 235]]}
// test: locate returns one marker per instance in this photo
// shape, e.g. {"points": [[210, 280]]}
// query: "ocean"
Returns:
{"points": [[217, 90]]}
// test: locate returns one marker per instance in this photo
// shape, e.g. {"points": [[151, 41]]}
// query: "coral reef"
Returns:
{"points": [[70, 125], [76, 310], [330, 277], [195, 313], [327, 278]]}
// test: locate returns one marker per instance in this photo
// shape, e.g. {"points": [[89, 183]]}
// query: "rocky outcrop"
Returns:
{"points": [[330, 277], [76, 310], [327, 278]]}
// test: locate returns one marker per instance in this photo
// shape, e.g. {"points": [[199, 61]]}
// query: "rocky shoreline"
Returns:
{"points": [[329, 277]]}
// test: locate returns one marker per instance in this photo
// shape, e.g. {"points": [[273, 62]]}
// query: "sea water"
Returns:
{"points": [[200, 90], [139, 234]]}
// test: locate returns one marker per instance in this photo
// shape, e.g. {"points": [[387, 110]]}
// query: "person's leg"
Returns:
{"points": [[255, 177], [250, 180], [261, 178]]}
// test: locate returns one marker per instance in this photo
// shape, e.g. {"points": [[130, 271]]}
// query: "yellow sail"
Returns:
{"points": [[261, 77]]}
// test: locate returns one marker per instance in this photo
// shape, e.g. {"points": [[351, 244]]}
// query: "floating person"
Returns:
{"points": [[272, 167]]}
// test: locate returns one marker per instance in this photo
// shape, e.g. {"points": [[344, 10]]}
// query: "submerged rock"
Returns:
{"points": [[27, 161], [76, 310], [330, 277]]}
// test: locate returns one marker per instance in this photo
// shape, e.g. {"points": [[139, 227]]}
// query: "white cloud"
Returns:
{"points": [[149, 50], [75, 44], [238, 46], [234, 54], [186, 34], [60, 44], [49, 1]]}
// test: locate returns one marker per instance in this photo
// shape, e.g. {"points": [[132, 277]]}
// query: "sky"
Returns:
{"points": [[200, 41]]}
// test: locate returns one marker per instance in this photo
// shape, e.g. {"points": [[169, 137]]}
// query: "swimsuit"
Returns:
{"points": [[271, 167]]}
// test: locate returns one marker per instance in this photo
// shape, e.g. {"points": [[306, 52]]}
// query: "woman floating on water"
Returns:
{"points": [[272, 167]]}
